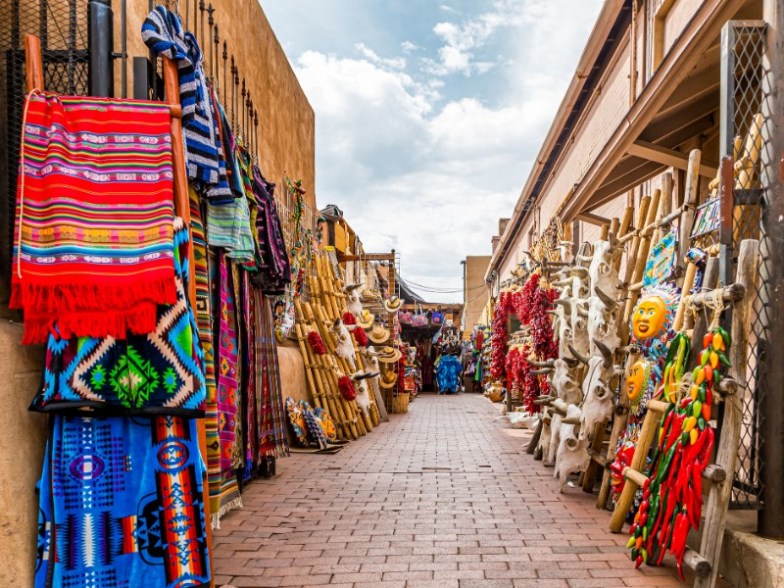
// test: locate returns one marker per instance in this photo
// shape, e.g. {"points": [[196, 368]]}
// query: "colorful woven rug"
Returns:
{"points": [[204, 260], [227, 365], [273, 440], [93, 235], [121, 505], [159, 373]]}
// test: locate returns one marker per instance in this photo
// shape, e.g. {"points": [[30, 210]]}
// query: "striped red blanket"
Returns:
{"points": [[93, 250]]}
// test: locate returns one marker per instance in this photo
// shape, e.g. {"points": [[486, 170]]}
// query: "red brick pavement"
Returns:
{"points": [[442, 496]]}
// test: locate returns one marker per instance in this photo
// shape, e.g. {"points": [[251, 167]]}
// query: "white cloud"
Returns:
{"points": [[416, 158], [425, 179], [373, 57], [409, 47], [460, 41]]}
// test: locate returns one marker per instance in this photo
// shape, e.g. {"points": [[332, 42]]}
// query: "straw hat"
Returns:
{"points": [[378, 334], [393, 304], [388, 379], [389, 355], [366, 319]]}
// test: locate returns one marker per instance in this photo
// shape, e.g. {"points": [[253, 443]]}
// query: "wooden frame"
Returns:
{"points": [[35, 81]]}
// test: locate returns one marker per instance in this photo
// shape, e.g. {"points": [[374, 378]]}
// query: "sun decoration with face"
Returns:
{"points": [[638, 384], [652, 319], [649, 316]]}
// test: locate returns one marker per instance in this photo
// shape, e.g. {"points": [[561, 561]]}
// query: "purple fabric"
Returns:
{"points": [[275, 268]]}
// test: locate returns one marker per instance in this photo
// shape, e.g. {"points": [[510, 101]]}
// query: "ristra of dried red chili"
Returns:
{"points": [[672, 495]]}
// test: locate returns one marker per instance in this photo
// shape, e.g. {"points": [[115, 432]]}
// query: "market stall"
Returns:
{"points": [[625, 350]]}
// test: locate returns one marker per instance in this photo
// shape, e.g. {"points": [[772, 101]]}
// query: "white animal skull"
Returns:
{"points": [[572, 453], [345, 345]]}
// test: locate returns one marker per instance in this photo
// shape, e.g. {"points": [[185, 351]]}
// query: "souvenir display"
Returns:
{"points": [[672, 494]]}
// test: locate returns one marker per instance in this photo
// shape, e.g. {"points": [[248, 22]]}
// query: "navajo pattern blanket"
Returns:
{"points": [[121, 504], [158, 373], [94, 213]]}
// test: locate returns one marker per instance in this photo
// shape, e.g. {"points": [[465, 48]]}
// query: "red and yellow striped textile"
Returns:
{"points": [[93, 249]]}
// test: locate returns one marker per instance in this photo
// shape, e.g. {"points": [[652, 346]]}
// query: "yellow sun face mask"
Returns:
{"points": [[649, 317]]}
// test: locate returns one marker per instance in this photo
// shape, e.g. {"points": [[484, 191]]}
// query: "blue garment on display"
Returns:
{"points": [[448, 374], [121, 504]]}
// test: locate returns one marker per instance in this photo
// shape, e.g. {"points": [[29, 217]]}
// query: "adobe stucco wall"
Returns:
{"points": [[286, 119], [22, 441], [286, 148], [476, 295]]}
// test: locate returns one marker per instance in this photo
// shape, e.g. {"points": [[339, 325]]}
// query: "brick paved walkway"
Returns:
{"points": [[442, 496]]}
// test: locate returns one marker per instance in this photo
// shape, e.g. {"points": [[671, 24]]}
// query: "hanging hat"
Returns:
{"points": [[393, 304], [369, 295], [389, 355], [379, 334], [351, 287], [388, 379], [366, 319]]}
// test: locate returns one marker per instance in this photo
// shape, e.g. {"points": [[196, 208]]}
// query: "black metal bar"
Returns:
{"points": [[256, 133], [233, 94], [15, 33], [101, 46], [43, 24], [124, 47], [216, 59], [202, 8], [72, 26], [208, 41], [771, 402], [141, 78], [243, 106], [225, 94]]}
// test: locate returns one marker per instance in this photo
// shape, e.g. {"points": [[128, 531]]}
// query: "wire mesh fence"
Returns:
{"points": [[744, 138], [62, 26]]}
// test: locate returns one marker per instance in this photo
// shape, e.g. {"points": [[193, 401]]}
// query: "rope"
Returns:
{"points": [[33, 92]]}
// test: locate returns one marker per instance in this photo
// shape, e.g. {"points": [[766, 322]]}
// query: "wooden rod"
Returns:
{"points": [[34, 65], [182, 208]]}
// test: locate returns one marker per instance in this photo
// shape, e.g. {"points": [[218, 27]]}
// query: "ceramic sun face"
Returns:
{"points": [[635, 380], [649, 318]]}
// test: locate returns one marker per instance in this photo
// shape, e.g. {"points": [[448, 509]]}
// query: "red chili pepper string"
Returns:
{"points": [[672, 497], [346, 387], [316, 343]]}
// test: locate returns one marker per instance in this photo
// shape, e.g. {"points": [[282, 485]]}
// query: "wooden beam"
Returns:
{"points": [[662, 128], [593, 219], [693, 91], [636, 175], [668, 157], [687, 51], [367, 257]]}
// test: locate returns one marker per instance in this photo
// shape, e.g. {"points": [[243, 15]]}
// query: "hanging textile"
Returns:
{"points": [[206, 302], [273, 441], [275, 268], [121, 504], [448, 374], [251, 402], [163, 33], [158, 373], [93, 236], [228, 223], [227, 365]]}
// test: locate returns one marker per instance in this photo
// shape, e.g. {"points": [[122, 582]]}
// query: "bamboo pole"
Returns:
{"points": [[642, 255], [322, 381], [642, 215], [650, 426], [690, 200]]}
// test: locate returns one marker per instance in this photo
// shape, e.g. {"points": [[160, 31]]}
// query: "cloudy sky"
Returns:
{"points": [[429, 114]]}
